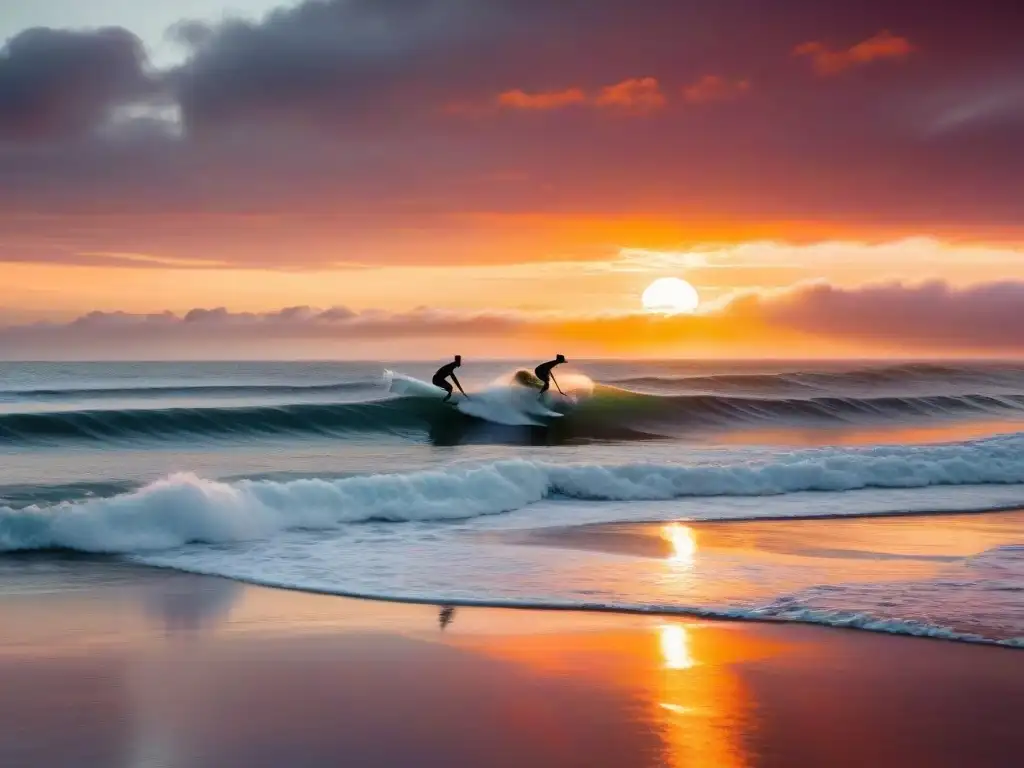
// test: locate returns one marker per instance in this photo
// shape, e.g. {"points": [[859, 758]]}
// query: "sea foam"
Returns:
{"points": [[184, 508]]}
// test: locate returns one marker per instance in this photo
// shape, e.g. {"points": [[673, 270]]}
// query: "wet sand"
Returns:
{"points": [[110, 665]]}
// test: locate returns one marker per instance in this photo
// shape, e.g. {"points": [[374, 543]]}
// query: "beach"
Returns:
{"points": [[107, 665], [259, 564], [511, 383]]}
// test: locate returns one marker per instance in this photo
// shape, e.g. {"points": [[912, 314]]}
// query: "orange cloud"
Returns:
{"points": [[884, 45], [519, 99], [639, 94], [714, 88]]}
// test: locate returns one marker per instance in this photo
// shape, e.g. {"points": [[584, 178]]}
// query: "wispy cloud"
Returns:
{"points": [[642, 94], [984, 105], [715, 88], [827, 61], [907, 252], [633, 95], [518, 99]]}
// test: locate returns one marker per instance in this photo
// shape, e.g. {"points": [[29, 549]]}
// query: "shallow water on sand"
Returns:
{"points": [[139, 666]]}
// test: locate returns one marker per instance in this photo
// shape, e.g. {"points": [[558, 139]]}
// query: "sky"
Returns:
{"points": [[409, 178]]}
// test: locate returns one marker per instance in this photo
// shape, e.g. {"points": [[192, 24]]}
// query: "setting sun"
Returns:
{"points": [[671, 296]]}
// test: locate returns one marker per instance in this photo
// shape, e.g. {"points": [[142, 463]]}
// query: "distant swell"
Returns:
{"points": [[612, 414], [207, 390], [209, 422], [183, 508], [717, 409], [909, 378]]}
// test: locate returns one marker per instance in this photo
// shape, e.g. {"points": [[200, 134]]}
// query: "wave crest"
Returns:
{"points": [[899, 379], [183, 508], [610, 414]]}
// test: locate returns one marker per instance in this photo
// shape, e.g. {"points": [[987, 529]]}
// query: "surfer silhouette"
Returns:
{"points": [[442, 375], [546, 375]]}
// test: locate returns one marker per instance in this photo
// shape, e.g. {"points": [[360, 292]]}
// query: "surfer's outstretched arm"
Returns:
{"points": [[456, 380], [556, 384]]}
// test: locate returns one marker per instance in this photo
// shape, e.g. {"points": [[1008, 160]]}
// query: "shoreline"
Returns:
{"points": [[142, 664], [927, 632], [892, 547]]}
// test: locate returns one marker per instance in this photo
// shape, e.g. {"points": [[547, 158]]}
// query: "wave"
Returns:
{"points": [[908, 378], [609, 414], [407, 417], [185, 509], [722, 410], [20, 495], [205, 390], [212, 422]]}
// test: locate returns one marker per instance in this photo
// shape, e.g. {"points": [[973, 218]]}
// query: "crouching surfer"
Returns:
{"points": [[546, 375], [440, 379]]}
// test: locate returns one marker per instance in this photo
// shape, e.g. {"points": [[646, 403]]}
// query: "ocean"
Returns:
{"points": [[879, 496]]}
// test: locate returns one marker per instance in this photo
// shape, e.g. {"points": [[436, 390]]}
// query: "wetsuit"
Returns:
{"points": [[543, 372], [441, 379]]}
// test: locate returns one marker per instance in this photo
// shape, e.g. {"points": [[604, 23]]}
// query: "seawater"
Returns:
{"points": [[320, 476]]}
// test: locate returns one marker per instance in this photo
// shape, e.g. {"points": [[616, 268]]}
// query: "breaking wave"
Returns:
{"points": [[184, 509], [610, 414], [198, 390], [905, 379]]}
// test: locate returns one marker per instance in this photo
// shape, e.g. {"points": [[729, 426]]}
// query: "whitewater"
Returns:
{"points": [[328, 477]]}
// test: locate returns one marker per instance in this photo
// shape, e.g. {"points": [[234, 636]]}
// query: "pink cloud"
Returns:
{"points": [[882, 46], [931, 314], [639, 94], [634, 95], [715, 88]]}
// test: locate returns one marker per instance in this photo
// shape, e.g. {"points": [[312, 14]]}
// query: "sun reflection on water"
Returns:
{"points": [[675, 647], [700, 703], [683, 541]]}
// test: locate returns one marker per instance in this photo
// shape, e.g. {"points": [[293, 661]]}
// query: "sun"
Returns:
{"points": [[671, 296]]}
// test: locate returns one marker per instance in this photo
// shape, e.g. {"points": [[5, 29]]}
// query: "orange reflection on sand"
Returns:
{"points": [[685, 676], [702, 707]]}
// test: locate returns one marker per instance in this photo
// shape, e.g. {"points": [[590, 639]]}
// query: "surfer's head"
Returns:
{"points": [[560, 358], [458, 359]]}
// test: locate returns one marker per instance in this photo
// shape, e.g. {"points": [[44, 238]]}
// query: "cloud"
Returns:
{"points": [[633, 95], [318, 133], [290, 322], [339, 63], [889, 318], [906, 253], [642, 94], [826, 61], [714, 88], [57, 84], [517, 99], [930, 315], [987, 104]]}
